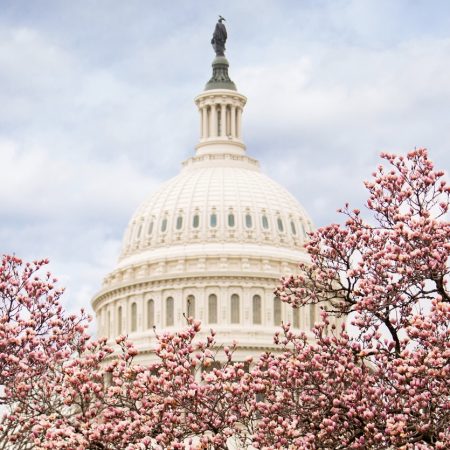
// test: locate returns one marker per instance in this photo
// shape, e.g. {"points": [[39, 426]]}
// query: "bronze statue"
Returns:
{"points": [[219, 38]]}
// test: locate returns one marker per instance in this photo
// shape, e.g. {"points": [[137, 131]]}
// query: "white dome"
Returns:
{"points": [[217, 200], [211, 243]]}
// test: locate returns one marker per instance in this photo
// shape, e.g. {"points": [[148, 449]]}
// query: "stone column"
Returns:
{"points": [[233, 121], [239, 123], [213, 122], [223, 120], [204, 122]]}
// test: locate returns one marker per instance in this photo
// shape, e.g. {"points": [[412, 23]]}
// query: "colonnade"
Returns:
{"points": [[220, 120], [140, 313]]}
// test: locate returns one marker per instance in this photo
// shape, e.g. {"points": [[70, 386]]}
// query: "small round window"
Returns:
{"points": [[248, 221], [213, 220], [196, 221], [280, 224], [304, 231], [294, 230], [231, 222], [179, 222], [164, 225], [265, 222]]}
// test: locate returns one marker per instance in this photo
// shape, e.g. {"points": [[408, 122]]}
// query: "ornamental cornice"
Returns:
{"points": [[149, 351], [210, 251], [221, 93], [134, 287]]}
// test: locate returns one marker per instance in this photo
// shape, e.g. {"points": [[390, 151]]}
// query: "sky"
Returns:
{"points": [[96, 108]]}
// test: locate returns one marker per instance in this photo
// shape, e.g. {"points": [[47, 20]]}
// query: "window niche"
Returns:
{"points": [[133, 317], [139, 231], [296, 317], [190, 306], [312, 315], [293, 228], [248, 221], [235, 309], [108, 324], [164, 225], [150, 228], [231, 220], [280, 224], [257, 310], [196, 221], [150, 313], [213, 220], [119, 321], [170, 316], [276, 311], [212, 308]]}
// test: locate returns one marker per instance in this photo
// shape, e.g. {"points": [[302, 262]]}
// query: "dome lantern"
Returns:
{"points": [[220, 105]]}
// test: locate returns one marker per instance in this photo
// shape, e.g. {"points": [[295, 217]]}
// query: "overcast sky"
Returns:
{"points": [[96, 108]]}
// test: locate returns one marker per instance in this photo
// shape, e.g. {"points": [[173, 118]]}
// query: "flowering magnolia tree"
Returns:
{"points": [[382, 384], [389, 384], [62, 390]]}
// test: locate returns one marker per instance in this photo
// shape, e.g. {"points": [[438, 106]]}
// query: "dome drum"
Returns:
{"points": [[239, 308]]}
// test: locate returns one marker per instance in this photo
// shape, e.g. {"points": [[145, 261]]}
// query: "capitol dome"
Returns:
{"points": [[220, 204], [211, 243]]}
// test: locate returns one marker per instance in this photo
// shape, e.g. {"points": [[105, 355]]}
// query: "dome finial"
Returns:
{"points": [[220, 78], [220, 106]]}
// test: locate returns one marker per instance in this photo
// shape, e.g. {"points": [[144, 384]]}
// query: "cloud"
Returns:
{"points": [[97, 108], [339, 109]]}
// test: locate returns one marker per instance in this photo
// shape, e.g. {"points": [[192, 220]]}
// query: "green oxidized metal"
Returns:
{"points": [[220, 78]]}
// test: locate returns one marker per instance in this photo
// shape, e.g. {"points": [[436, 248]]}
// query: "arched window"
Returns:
{"points": [[276, 311], [108, 324], [138, 234], [101, 316], [164, 225], [119, 320], [296, 314], [190, 306], [257, 310], [213, 220], [294, 230], [212, 308], [312, 315], [280, 224], [150, 313], [169, 312], [265, 222], [235, 309], [179, 222], [133, 317], [150, 228], [304, 231], [248, 221], [231, 222], [196, 221]]}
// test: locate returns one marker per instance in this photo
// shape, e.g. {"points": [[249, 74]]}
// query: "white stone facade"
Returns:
{"points": [[212, 242]]}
